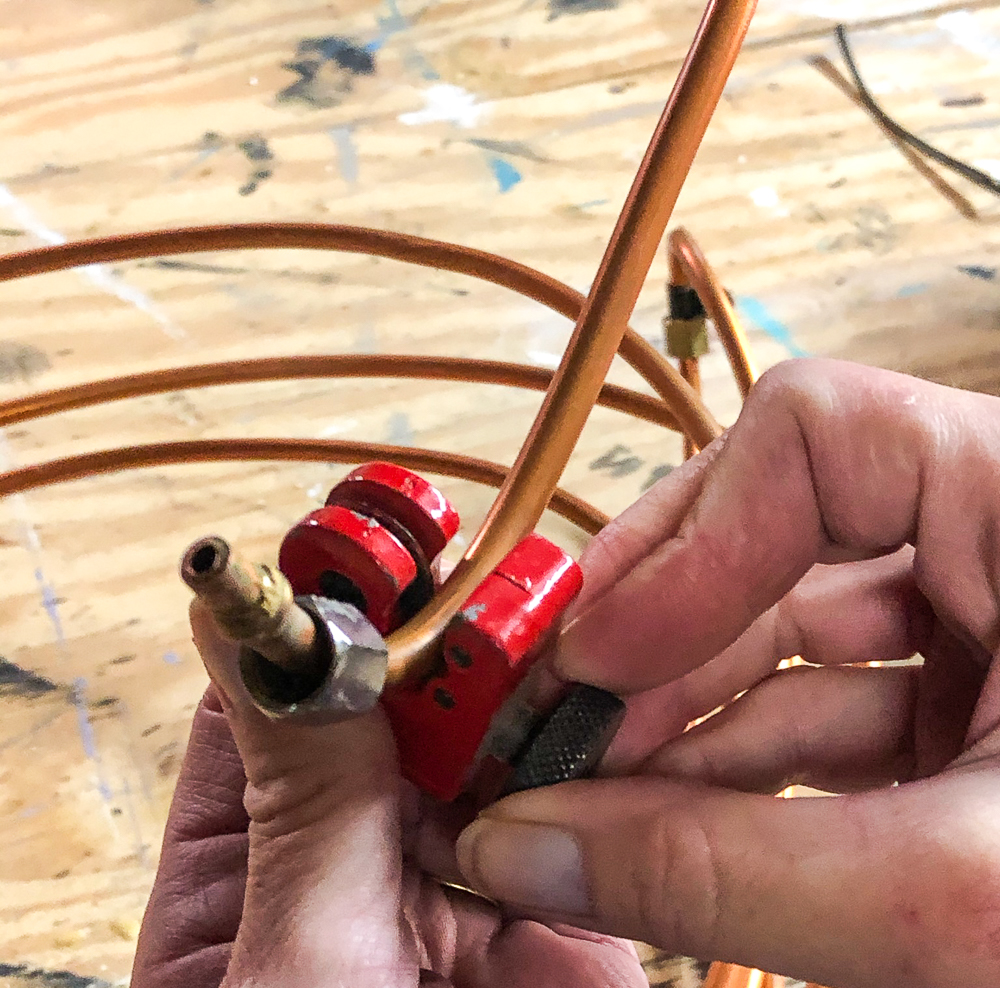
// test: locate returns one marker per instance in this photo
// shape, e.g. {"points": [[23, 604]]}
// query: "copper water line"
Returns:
{"points": [[691, 413], [601, 325], [28, 478], [599, 329], [691, 372], [469, 371]]}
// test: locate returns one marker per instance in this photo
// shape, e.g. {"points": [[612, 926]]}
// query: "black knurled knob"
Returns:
{"points": [[571, 742]]}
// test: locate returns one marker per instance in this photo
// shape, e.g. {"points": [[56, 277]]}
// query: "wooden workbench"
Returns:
{"points": [[509, 125]]}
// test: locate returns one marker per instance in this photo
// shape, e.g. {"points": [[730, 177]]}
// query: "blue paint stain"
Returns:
{"points": [[977, 271], [395, 23], [908, 291], [172, 659], [347, 152], [86, 730], [50, 602], [591, 203], [400, 429], [758, 313], [506, 174]]}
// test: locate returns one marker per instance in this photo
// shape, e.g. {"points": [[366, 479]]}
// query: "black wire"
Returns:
{"points": [[974, 175]]}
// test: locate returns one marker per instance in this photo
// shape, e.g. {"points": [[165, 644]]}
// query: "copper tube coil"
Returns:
{"points": [[691, 372], [77, 396], [68, 468], [691, 413]]}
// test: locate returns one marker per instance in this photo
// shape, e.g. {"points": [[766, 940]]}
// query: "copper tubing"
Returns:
{"points": [[691, 372], [335, 365], [570, 507], [689, 266], [253, 605], [734, 976], [830, 71], [690, 412], [599, 328]]}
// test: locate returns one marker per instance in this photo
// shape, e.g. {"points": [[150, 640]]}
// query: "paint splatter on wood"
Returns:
{"points": [[21, 361], [23, 976], [619, 461], [559, 7], [326, 68], [15, 681], [257, 152]]}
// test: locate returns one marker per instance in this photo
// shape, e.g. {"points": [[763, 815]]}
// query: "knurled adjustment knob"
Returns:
{"points": [[571, 742]]}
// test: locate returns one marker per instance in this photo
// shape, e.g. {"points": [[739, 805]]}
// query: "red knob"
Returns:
{"points": [[396, 496], [336, 552]]}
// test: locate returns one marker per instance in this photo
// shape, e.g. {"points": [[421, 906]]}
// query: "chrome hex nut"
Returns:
{"points": [[351, 683]]}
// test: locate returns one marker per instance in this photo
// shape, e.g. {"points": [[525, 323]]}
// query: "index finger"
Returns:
{"points": [[828, 462]]}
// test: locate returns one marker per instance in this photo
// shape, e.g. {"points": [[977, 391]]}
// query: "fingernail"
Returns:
{"points": [[524, 864]]}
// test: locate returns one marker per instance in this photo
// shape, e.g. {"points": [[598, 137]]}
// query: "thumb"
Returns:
{"points": [[803, 887], [324, 871]]}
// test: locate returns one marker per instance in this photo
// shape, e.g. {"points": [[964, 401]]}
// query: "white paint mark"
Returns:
{"points": [[989, 165], [254, 80], [447, 104], [336, 427], [766, 197], [544, 359], [315, 492], [99, 275], [967, 32]]}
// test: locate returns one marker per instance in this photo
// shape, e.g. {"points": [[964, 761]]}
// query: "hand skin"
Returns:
{"points": [[297, 878], [850, 515]]}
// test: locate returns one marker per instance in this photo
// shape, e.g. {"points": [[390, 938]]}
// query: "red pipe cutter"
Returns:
{"points": [[474, 723]]}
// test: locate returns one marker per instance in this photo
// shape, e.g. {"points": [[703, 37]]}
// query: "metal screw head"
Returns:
{"points": [[350, 685]]}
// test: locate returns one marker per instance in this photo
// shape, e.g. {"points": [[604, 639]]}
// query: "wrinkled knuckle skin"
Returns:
{"points": [[673, 859], [285, 804]]}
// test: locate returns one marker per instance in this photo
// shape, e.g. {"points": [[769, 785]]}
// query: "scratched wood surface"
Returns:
{"points": [[507, 125]]}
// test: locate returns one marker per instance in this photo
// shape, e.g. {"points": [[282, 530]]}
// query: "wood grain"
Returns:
{"points": [[134, 114]]}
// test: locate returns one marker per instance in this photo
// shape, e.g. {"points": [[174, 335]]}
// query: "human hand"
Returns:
{"points": [[850, 515], [297, 878]]}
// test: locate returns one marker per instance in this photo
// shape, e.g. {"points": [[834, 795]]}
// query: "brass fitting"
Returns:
{"points": [[307, 658], [254, 606]]}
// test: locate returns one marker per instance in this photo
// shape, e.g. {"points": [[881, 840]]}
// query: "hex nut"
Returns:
{"points": [[351, 684]]}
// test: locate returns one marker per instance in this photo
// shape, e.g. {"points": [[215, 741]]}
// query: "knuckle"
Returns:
{"points": [[281, 802], [787, 383], [808, 389], [675, 885]]}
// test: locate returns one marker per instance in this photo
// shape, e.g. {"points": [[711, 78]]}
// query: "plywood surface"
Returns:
{"points": [[509, 126]]}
